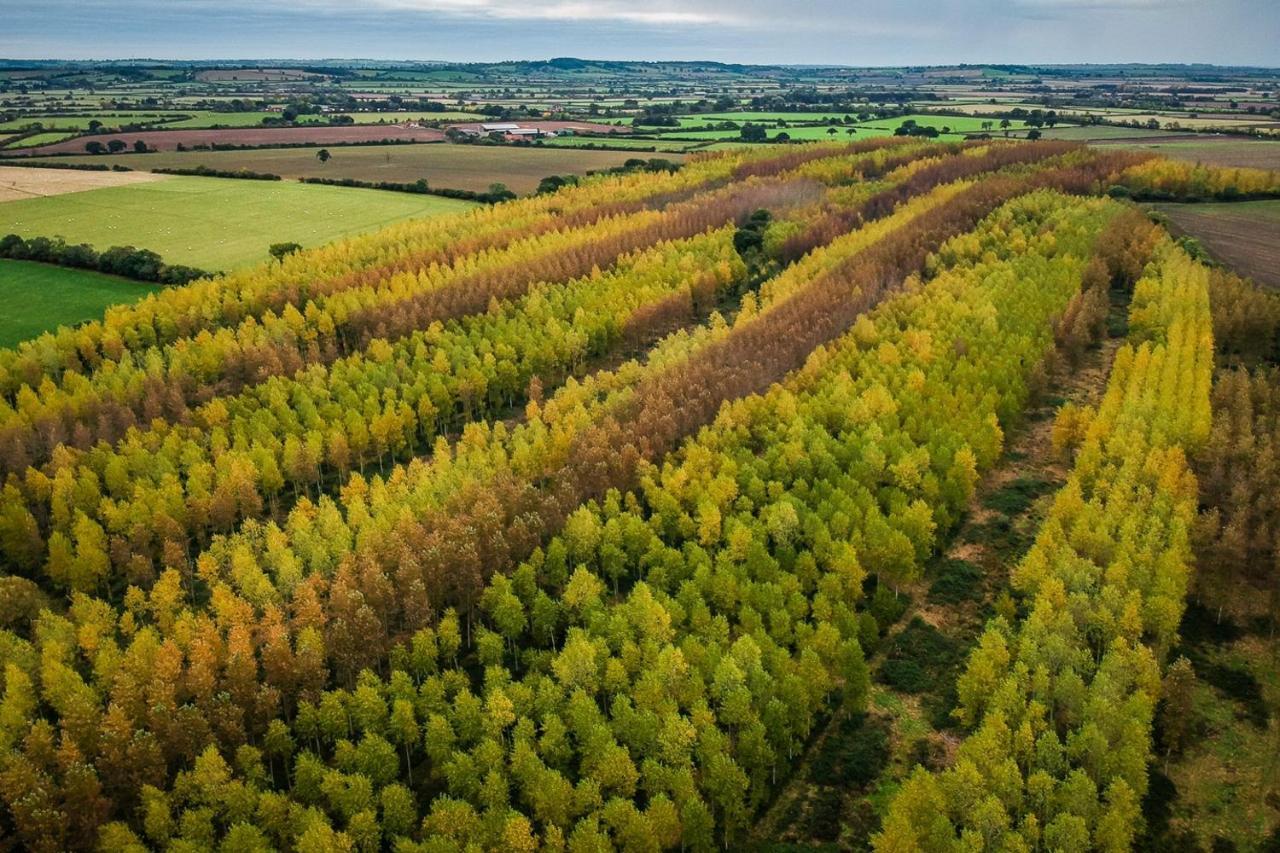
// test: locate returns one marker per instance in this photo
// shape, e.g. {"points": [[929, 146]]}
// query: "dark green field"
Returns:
{"points": [[36, 298]]}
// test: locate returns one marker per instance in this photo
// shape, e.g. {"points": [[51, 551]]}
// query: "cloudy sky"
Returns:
{"points": [[849, 32]]}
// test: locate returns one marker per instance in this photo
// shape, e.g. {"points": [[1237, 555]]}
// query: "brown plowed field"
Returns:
{"points": [[1243, 235], [169, 140]]}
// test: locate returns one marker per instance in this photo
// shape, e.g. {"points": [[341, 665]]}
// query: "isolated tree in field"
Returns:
{"points": [[1034, 133], [1005, 124], [851, 131], [95, 147], [280, 251], [323, 155], [140, 146], [115, 146], [831, 131], [987, 125]]}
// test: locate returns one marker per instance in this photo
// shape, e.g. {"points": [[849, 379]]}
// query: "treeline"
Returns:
{"points": [[498, 193], [124, 261], [1061, 701], [203, 171]]}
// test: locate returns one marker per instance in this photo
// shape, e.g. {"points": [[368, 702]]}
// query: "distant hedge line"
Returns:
{"points": [[206, 172], [124, 261], [419, 187], [77, 167]]}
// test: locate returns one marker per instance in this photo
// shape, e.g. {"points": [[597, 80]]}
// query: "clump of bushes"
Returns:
{"points": [[124, 261]]}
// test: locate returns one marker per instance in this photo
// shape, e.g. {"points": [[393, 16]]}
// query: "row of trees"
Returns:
{"points": [[163, 490], [639, 682], [356, 261], [1161, 179], [1062, 702], [167, 381], [125, 261], [444, 527]]}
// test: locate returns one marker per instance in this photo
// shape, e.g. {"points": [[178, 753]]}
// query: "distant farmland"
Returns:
{"points": [[169, 140], [467, 167]]}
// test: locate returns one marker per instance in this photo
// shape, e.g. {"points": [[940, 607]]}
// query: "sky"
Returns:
{"points": [[836, 32]]}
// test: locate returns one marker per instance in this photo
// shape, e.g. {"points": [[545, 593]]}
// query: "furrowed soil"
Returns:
{"points": [[1244, 236]]}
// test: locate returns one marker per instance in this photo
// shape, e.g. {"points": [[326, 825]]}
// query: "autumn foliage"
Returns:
{"points": [[547, 526]]}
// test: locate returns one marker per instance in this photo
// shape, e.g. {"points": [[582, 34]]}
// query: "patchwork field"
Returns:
{"points": [[212, 223], [35, 298], [169, 140], [1243, 235], [18, 183], [467, 167]]}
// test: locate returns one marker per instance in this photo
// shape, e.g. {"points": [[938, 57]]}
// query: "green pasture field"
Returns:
{"points": [[214, 223], [468, 167], [958, 124], [81, 122], [37, 298], [758, 117]]}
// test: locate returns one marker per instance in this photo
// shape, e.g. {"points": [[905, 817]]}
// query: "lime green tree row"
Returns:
{"points": [[641, 681], [1061, 703]]}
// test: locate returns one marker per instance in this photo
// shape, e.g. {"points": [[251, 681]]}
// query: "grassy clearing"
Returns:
{"points": [[468, 167], [213, 223], [36, 298], [1221, 793]]}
